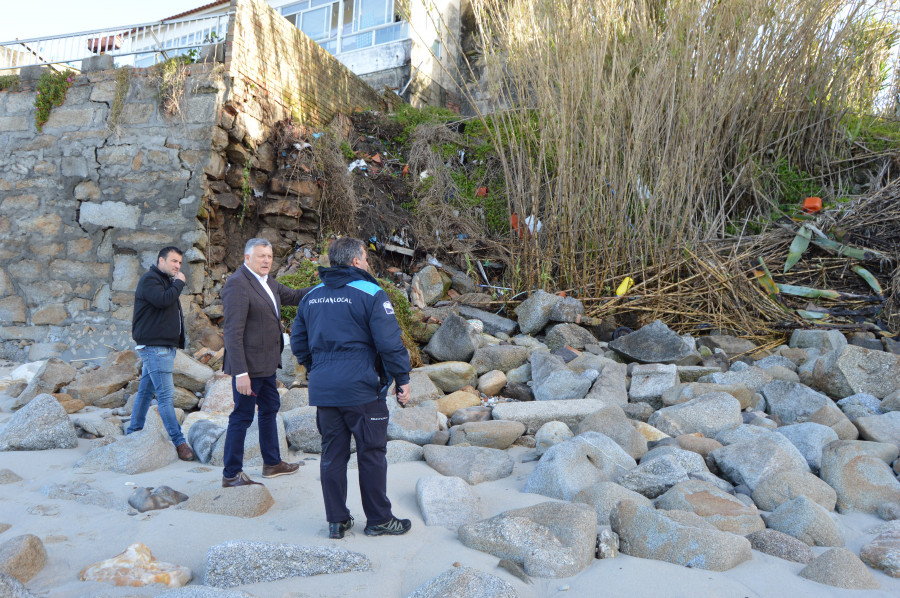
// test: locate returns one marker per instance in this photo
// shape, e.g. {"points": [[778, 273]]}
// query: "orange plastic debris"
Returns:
{"points": [[811, 205], [481, 192], [405, 169], [376, 158]]}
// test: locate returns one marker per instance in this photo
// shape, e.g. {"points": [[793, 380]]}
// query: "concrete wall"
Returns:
{"points": [[434, 26]]}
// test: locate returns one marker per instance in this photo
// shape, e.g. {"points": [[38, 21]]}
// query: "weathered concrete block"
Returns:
{"points": [[101, 62], [114, 214]]}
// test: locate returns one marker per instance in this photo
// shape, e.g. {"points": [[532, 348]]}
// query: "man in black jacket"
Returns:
{"points": [[348, 338], [157, 327]]}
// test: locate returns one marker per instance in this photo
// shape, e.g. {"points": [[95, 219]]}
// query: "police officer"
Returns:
{"points": [[348, 338]]}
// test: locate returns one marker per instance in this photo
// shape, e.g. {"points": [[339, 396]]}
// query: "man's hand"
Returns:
{"points": [[403, 393], [179, 276], [243, 385]]}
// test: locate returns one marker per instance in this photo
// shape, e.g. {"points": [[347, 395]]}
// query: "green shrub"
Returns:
{"points": [[51, 91], [10, 82], [307, 275]]}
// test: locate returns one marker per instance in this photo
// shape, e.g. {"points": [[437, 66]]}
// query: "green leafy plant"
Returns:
{"points": [[307, 275], [170, 76], [348, 152], [246, 193], [51, 91], [123, 84], [404, 314], [409, 118], [10, 82]]}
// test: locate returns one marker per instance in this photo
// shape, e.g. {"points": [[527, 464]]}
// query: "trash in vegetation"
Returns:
{"points": [[811, 205], [361, 164], [623, 288]]}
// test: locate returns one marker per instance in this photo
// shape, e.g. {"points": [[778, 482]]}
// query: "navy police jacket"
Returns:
{"points": [[347, 337]]}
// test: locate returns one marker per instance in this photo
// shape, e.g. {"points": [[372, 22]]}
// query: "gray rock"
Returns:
{"points": [[684, 392], [465, 581], [493, 323], [731, 345], [496, 434], [830, 415], [519, 392], [421, 389], [455, 340], [116, 371], [99, 428], [499, 357], [650, 381], [785, 486], [781, 545], [569, 467], [773, 360], [549, 539], [470, 414], [40, 425], [83, 494], [708, 414], [190, 373], [791, 402], [710, 478], [883, 552], [610, 387], [10, 587], [880, 428], [519, 375], [753, 378], [751, 461], [240, 562], [719, 508], [809, 438], [689, 460], [146, 450], [23, 557], [870, 404], [398, 451], [551, 434], [202, 436], [450, 376], [534, 313], [823, 340], [252, 454], [243, 501], [891, 402], [840, 568], [806, 521], [568, 309], [859, 472], [740, 434], [414, 424], [51, 377], [536, 414], [568, 335], [855, 370], [447, 501], [301, 430], [653, 478], [432, 284], [471, 463], [647, 533], [203, 592], [9, 477], [612, 422], [298, 397], [604, 496], [150, 499], [654, 343]]}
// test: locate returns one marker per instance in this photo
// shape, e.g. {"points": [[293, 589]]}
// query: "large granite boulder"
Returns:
{"points": [[244, 501], [455, 340], [571, 466], [450, 376], [653, 477], [840, 568], [447, 501], [40, 425], [860, 474], [474, 464], [708, 414], [534, 313], [493, 324], [810, 439], [604, 496], [720, 508], [824, 340], [496, 434], [432, 283], [301, 430], [550, 539], [202, 436], [776, 543], [465, 581], [654, 343], [553, 380], [650, 381], [190, 373], [116, 371], [252, 454], [647, 533], [853, 370], [791, 402], [550, 434], [785, 486], [883, 552], [806, 521], [610, 387], [146, 450], [414, 424], [611, 421], [52, 376], [499, 357], [751, 461], [421, 389], [241, 562], [880, 428], [685, 391], [569, 335], [22, 557], [535, 414]]}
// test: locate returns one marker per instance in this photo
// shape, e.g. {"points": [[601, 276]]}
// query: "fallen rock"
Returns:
{"points": [[731, 345], [499, 357], [840, 568], [491, 383], [455, 340], [243, 501], [751, 461], [550, 434], [218, 396], [9, 477], [650, 381], [136, 567], [202, 436], [721, 509], [460, 399], [147, 450], [568, 335], [647, 533], [150, 499], [98, 428], [190, 373], [824, 340], [241, 562], [432, 284], [496, 434], [450, 376], [414, 424], [301, 430], [552, 380], [683, 392], [519, 392], [790, 402], [805, 520], [10, 587], [549, 539], [860, 474], [569, 467], [116, 371], [534, 313], [612, 422], [536, 414], [752, 377], [474, 464], [22, 557], [68, 403], [785, 486], [297, 397], [810, 439], [708, 414], [465, 581], [493, 324], [653, 343], [653, 477], [883, 552], [781, 545], [470, 414], [604, 496], [880, 428], [40, 425], [53, 375], [853, 370], [447, 501], [183, 399], [610, 387]]}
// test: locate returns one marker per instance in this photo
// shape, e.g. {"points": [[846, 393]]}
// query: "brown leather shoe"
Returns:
{"points": [[271, 471], [240, 479], [184, 452]]}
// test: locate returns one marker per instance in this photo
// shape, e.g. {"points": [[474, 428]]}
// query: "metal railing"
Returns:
{"points": [[135, 45]]}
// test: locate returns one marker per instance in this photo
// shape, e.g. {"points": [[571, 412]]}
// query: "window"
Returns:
{"points": [[363, 23]]}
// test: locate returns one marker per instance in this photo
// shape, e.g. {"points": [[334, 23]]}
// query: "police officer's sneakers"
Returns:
{"points": [[272, 471], [336, 530], [394, 527]]}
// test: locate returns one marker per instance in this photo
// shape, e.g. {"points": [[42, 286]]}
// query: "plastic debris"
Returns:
{"points": [[623, 288], [361, 164]]}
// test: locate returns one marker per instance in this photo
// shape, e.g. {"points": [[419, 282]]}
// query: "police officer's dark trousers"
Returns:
{"points": [[367, 423]]}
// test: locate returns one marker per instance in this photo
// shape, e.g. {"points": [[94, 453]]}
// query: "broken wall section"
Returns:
{"points": [[86, 204]]}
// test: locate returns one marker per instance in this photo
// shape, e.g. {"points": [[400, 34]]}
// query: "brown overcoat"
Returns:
{"points": [[254, 337]]}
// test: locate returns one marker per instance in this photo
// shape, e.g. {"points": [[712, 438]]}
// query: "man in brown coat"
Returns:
{"points": [[254, 340]]}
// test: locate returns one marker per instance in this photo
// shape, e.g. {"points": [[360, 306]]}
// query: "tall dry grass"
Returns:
{"points": [[636, 129]]}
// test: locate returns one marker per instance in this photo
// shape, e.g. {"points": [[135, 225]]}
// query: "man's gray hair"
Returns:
{"points": [[342, 251], [255, 243]]}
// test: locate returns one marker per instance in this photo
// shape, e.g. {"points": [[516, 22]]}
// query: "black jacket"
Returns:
{"points": [[348, 338], [157, 318]]}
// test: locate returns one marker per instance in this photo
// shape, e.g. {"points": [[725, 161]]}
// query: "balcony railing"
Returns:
{"points": [[136, 45]]}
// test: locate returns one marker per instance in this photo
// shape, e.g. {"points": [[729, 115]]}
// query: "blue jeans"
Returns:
{"points": [[156, 376]]}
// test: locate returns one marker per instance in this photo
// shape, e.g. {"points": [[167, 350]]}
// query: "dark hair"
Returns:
{"points": [[342, 251], [165, 251]]}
